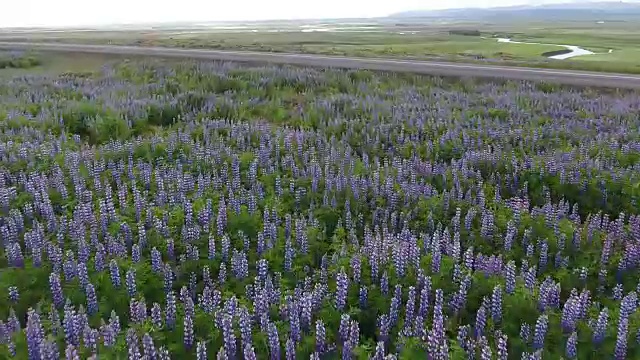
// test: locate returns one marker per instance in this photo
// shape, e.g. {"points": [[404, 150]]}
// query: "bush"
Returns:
{"points": [[465, 32], [18, 61]]}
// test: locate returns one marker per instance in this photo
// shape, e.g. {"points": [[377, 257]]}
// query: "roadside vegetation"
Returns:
{"points": [[18, 60]]}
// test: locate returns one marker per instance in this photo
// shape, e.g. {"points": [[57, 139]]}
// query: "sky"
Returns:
{"points": [[55, 13]]}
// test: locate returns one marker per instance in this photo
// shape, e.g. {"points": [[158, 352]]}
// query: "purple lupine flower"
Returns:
{"points": [[343, 331], [156, 260], [496, 304], [620, 351], [90, 338], [92, 300], [540, 331], [148, 348], [130, 279], [320, 337], [342, 287], [137, 311], [70, 266], [229, 335], [13, 294], [294, 322], [222, 274], [249, 353], [485, 349], [263, 269], [13, 322], [156, 315], [572, 346], [132, 345], [544, 255], [99, 258], [188, 332], [618, 291], [189, 307], [115, 273], [274, 342], [410, 308], [221, 220], [83, 274], [244, 322], [525, 332], [163, 353], [170, 311], [56, 290], [384, 283], [356, 266], [379, 354], [395, 306], [135, 253], [205, 300], [201, 351], [354, 338], [114, 322], [436, 254], [570, 314], [600, 327], [34, 335], [436, 339], [530, 279], [305, 305], [54, 320], [171, 249], [168, 278], [12, 349], [5, 334], [463, 336], [423, 310], [290, 350], [15, 257], [222, 354], [71, 327], [49, 351], [363, 297], [141, 310], [503, 348], [108, 335], [510, 277], [481, 321], [206, 276], [628, 305], [71, 353]]}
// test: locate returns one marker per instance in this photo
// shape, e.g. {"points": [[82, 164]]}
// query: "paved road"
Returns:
{"points": [[421, 67]]}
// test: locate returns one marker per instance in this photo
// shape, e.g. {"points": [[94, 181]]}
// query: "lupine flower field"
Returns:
{"points": [[178, 210]]}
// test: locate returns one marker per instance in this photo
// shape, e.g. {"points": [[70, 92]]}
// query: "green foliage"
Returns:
{"points": [[11, 61]]}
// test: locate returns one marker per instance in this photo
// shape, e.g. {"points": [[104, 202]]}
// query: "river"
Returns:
{"points": [[575, 50]]}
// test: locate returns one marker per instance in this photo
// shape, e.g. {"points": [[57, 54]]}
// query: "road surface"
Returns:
{"points": [[396, 65]]}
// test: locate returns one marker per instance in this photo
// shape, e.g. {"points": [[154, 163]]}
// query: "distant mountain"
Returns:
{"points": [[603, 10]]}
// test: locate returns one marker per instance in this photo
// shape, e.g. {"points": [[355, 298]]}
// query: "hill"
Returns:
{"points": [[606, 10]]}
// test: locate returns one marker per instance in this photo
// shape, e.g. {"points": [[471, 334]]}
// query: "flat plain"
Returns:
{"points": [[615, 44]]}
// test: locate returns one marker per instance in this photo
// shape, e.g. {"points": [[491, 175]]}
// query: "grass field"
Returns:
{"points": [[57, 64], [419, 41]]}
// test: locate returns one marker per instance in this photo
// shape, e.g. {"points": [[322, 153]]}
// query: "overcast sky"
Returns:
{"points": [[99, 12]]}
